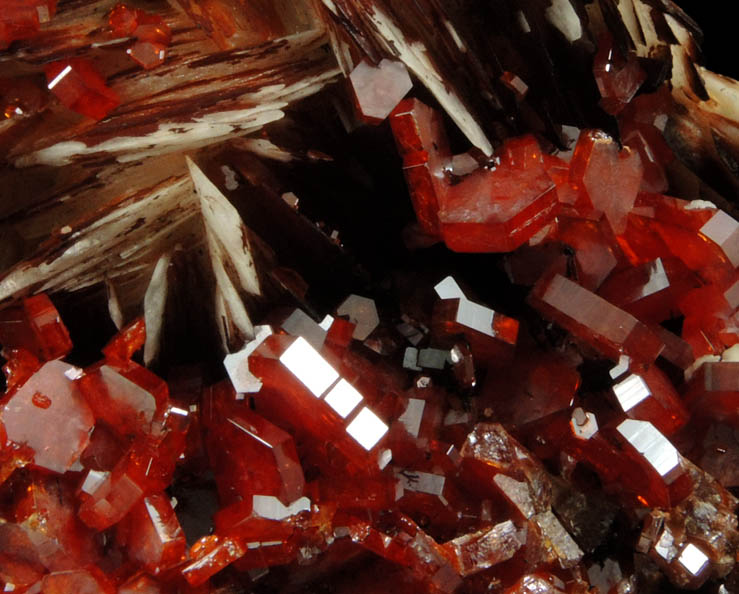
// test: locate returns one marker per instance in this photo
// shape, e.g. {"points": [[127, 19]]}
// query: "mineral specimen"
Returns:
{"points": [[487, 344]]}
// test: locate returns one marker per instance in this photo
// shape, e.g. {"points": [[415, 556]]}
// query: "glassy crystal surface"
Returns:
{"points": [[81, 88]]}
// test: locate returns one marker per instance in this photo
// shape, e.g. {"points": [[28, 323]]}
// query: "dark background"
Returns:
{"points": [[717, 19]]}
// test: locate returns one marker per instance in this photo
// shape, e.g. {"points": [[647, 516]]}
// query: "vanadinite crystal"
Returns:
{"points": [[357, 297], [80, 87]]}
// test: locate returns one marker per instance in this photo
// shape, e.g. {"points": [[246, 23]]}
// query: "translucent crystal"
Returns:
{"points": [[378, 89]]}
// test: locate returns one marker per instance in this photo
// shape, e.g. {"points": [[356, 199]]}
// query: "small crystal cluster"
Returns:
{"points": [[151, 34], [76, 82]]}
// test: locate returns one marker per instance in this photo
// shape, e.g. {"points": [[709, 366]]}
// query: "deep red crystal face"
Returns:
{"points": [[80, 87], [123, 20], [21, 19], [492, 209]]}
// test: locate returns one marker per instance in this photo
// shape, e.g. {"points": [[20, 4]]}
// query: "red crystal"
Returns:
{"points": [[152, 34], [300, 383], [209, 556], [126, 342], [21, 19], [491, 335], [249, 455], [125, 395], [596, 252], [151, 28], [618, 77], [35, 326], [489, 210], [123, 20], [78, 85], [650, 291], [152, 534], [147, 54], [607, 179], [592, 319], [648, 395], [713, 392]]}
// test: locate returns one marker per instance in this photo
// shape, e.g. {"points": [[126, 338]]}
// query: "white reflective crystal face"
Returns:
{"points": [[73, 373], [326, 322], [517, 492], [476, 316], [455, 417], [693, 559], [384, 457], [631, 392], [449, 289], [93, 481], [412, 416], [59, 77], [367, 428], [412, 334], [463, 164], [343, 398], [309, 367], [654, 446], [378, 89], [271, 508]]}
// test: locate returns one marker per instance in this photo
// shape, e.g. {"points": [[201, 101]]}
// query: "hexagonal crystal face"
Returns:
{"points": [[380, 88], [362, 312], [583, 424]]}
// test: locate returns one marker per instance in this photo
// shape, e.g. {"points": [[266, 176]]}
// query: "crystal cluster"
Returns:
{"points": [[535, 391], [151, 34]]}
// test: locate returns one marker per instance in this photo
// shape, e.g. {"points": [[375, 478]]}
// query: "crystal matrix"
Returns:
{"points": [[485, 344]]}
